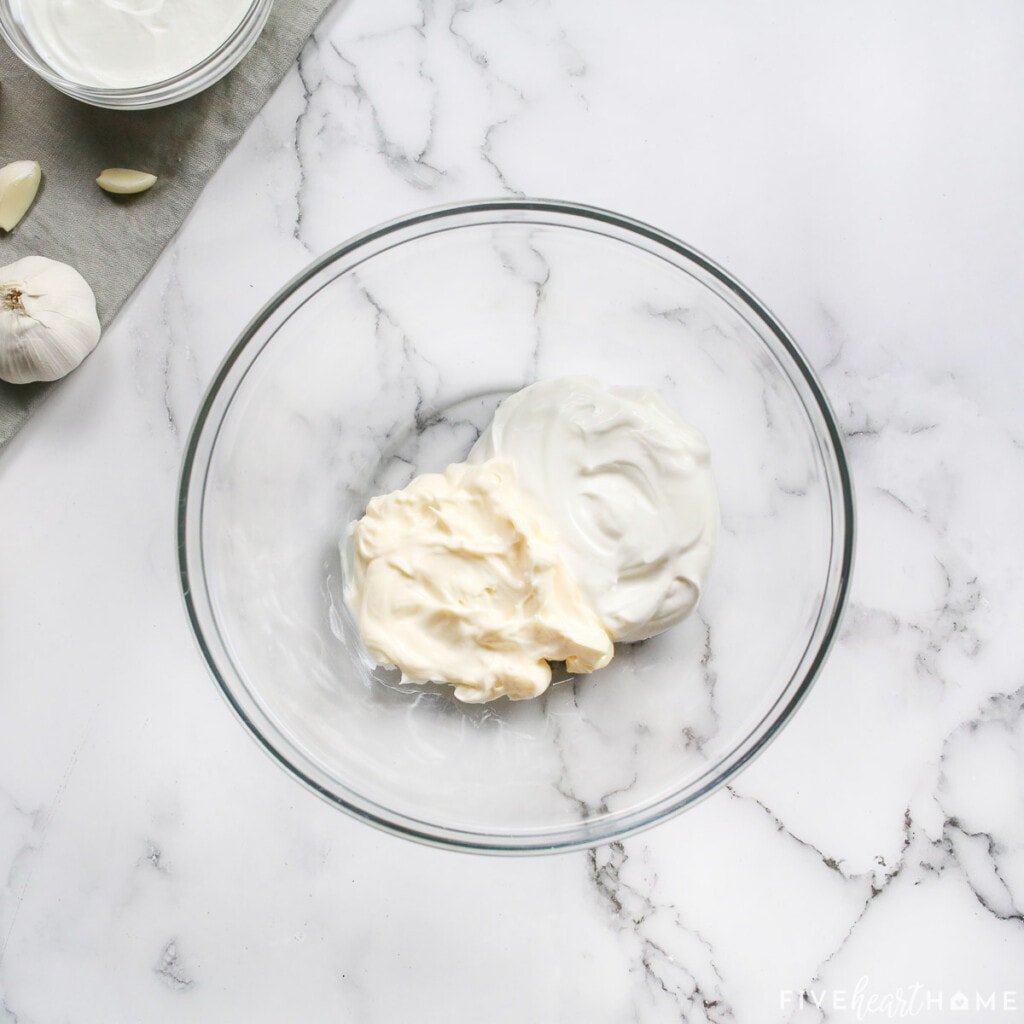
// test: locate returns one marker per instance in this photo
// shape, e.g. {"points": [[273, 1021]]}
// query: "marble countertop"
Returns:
{"points": [[859, 167]]}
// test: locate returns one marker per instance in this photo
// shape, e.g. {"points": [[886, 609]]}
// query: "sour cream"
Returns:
{"points": [[627, 484], [123, 44]]}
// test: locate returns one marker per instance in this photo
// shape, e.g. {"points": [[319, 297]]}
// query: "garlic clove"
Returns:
{"points": [[19, 183], [122, 181], [48, 321]]}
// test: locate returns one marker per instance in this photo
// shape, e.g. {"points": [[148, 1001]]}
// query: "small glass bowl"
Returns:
{"points": [[384, 359], [143, 97]]}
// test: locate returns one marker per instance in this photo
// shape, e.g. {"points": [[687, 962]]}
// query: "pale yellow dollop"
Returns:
{"points": [[459, 578]]}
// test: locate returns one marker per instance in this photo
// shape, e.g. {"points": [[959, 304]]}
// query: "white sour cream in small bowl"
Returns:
{"points": [[132, 54]]}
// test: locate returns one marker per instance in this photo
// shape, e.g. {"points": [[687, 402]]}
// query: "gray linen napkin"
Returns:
{"points": [[113, 242]]}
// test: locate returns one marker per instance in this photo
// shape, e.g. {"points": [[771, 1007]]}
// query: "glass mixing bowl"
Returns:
{"points": [[384, 359], [154, 94]]}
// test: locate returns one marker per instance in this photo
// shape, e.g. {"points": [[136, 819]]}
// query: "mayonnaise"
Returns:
{"points": [[459, 578], [627, 485], [120, 44]]}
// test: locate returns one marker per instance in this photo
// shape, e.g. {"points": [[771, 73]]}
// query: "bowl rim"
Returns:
{"points": [[467, 841]]}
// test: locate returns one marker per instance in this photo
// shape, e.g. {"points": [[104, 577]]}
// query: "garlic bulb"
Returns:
{"points": [[48, 321], [19, 183]]}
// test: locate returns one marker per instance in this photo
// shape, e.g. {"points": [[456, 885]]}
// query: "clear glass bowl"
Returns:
{"points": [[155, 94], [384, 359]]}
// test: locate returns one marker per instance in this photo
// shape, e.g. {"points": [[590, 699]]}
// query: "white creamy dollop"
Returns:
{"points": [[121, 44], [459, 578], [628, 486]]}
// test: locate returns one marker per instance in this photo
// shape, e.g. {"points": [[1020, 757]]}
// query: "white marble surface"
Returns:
{"points": [[859, 167]]}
